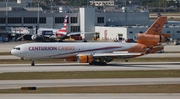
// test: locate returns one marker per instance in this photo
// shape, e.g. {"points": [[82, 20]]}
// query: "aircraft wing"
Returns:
{"points": [[75, 33], [118, 54], [115, 54]]}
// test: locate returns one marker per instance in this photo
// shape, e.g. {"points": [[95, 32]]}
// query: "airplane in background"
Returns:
{"points": [[169, 22], [97, 53], [44, 34]]}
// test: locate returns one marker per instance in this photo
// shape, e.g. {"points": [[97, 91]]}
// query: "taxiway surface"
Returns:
{"points": [[86, 67], [7, 84], [93, 96]]}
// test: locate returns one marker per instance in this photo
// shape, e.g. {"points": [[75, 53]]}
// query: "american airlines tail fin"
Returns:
{"points": [[63, 29], [156, 27]]}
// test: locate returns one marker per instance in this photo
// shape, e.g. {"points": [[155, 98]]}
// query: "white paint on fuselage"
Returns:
{"points": [[86, 48]]}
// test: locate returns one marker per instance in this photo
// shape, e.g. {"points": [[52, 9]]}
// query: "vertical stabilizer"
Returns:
{"points": [[63, 29], [156, 27]]}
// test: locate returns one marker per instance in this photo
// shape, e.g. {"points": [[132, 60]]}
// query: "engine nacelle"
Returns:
{"points": [[34, 37], [149, 39], [37, 37], [85, 59]]}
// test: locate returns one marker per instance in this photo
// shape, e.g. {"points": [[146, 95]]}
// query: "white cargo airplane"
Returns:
{"points": [[97, 53]]}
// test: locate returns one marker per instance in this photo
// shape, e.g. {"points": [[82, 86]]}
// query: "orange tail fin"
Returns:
{"points": [[156, 27]]}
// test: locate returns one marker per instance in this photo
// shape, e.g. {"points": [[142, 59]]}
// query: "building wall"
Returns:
{"points": [[24, 3], [89, 18], [87, 22], [141, 18], [129, 32], [110, 33], [127, 18]]}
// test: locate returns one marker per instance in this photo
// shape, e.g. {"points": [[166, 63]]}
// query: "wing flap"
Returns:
{"points": [[115, 54]]}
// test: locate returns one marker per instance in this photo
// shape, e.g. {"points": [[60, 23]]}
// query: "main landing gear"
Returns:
{"points": [[126, 60], [32, 62]]}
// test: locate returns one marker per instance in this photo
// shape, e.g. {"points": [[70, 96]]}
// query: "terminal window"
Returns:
{"points": [[30, 20], [42, 20], [75, 28], [2, 20], [178, 31], [14, 20], [141, 32], [59, 19], [100, 19], [73, 19]]}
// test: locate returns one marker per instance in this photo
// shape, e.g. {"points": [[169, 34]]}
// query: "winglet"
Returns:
{"points": [[156, 27]]}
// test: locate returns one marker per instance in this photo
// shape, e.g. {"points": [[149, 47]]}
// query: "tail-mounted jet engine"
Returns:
{"points": [[149, 39]]}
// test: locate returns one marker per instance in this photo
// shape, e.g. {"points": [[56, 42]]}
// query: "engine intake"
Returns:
{"points": [[34, 37]]}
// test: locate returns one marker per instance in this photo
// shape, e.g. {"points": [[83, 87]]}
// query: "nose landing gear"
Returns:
{"points": [[32, 62]]}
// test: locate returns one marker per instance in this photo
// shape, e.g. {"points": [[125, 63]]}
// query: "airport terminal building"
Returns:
{"points": [[110, 23]]}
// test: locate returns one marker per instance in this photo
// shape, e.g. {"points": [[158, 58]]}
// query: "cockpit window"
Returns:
{"points": [[17, 48]]}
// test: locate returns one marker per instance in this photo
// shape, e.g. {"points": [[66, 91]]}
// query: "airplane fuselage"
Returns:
{"points": [[63, 50]]}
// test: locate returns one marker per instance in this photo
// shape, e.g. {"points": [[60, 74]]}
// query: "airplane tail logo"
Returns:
{"points": [[63, 31], [157, 26]]}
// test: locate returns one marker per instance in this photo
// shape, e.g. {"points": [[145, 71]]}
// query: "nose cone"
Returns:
{"points": [[12, 52], [15, 52]]}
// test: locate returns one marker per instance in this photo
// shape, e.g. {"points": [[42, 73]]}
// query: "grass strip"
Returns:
{"points": [[28, 61], [5, 53], [164, 88], [90, 74]]}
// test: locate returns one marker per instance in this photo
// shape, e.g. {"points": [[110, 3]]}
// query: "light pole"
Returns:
{"points": [[51, 5], [38, 15], [6, 13], [130, 4]]}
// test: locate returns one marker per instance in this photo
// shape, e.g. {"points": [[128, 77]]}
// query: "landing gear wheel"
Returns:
{"points": [[32, 64], [104, 63], [91, 63], [60, 40], [126, 60]]}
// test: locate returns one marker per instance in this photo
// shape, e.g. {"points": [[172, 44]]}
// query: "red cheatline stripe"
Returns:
{"points": [[96, 49]]}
